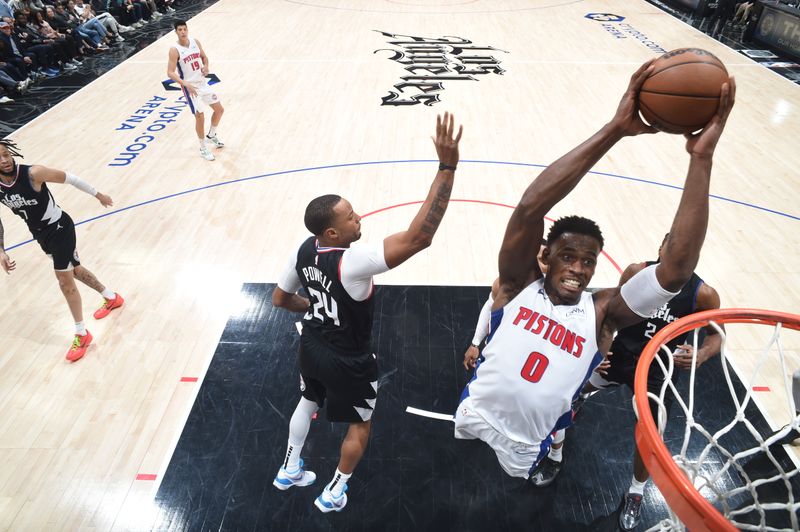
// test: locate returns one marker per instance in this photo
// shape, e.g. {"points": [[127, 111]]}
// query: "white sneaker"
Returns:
{"points": [[157, 15], [119, 38], [5, 99], [215, 141], [285, 480], [326, 502], [170, 9], [69, 66], [125, 29], [207, 155]]}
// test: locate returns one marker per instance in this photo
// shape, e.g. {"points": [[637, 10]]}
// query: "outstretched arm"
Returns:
{"points": [[517, 254], [42, 174], [5, 260], [682, 249], [400, 247]]}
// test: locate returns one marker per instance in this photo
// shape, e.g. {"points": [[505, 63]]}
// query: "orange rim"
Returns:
{"points": [[694, 510]]}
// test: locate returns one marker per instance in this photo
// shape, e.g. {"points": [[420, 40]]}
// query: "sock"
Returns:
{"points": [[298, 430], [637, 487], [108, 294], [338, 483], [202, 143], [555, 454], [80, 329], [212, 131]]}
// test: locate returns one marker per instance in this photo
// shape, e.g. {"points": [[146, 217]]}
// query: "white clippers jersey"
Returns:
{"points": [[190, 66], [536, 360]]}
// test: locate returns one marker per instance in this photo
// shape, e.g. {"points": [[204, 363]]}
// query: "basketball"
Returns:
{"points": [[682, 93]]}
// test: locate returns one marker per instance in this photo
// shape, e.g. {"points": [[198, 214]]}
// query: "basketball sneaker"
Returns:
{"points": [[107, 306], [631, 511], [215, 141], [285, 480], [206, 153], [545, 473], [326, 502], [79, 346]]}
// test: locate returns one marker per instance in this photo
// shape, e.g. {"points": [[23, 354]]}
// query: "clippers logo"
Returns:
{"points": [[605, 17], [768, 24]]}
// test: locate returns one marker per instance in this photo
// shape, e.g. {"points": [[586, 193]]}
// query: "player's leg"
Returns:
{"points": [[313, 393], [111, 299], [216, 116], [59, 243], [631, 506], [352, 393], [547, 468], [199, 128]]}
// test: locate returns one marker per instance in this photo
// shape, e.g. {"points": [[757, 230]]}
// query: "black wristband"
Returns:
{"points": [[443, 166]]}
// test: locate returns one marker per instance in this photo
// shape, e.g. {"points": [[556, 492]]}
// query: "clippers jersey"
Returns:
{"points": [[634, 338], [190, 65], [38, 209], [334, 316], [537, 359]]}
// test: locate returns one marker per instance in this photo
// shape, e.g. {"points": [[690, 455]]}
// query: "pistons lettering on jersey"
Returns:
{"points": [[315, 274], [551, 330], [191, 57], [16, 201]]}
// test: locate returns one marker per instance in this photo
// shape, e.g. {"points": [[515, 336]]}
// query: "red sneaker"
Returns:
{"points": [[79, 346], [107, 306]]}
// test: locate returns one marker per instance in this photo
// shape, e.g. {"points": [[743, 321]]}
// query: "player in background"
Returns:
{"points": [[23, 189], [188, 67]]}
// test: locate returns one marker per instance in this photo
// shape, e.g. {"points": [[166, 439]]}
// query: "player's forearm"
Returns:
{"points": [[482, 327], [2, 238], [296, 303], [427, 221], [688, 231], [712, 344], [563, 175]]}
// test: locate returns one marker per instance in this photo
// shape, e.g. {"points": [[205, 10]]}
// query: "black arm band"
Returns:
{"points": [[443, 166]]}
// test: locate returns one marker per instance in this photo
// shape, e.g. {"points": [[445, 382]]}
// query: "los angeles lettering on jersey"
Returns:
{"points": [[315, 274], [664, 313], [16, 201], [550, 330]]}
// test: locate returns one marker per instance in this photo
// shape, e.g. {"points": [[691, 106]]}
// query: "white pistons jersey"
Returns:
{"points": [[537, 358], [190, 65]]}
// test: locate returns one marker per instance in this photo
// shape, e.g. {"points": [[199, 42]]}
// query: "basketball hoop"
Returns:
{"points": [[680, 478]]}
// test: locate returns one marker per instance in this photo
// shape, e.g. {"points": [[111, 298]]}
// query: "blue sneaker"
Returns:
{"points": [[285, 480], [326, 502], [51, 72]]}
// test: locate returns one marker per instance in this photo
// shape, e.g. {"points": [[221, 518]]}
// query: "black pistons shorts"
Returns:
{"points": [[349, 382], [58, 241]]}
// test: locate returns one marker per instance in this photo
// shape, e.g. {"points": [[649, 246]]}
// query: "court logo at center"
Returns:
{"points": [[431, 61], [605, 17]]}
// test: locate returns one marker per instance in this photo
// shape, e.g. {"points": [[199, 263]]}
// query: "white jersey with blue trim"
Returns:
{"points": [[537, 359], [190, 64]]}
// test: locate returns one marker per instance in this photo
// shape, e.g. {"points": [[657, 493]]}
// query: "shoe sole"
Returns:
{"points": [[324, 509]]}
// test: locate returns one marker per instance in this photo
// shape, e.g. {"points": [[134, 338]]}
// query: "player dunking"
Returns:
{"points": [[23, 189], [544, 340], [337, 364], [188, 67]]}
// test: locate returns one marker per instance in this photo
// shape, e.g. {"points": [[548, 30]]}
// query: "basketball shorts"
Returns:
{"points": [[623, 370], [516, 458], [348, 383], [58, 241], [204, 99]]}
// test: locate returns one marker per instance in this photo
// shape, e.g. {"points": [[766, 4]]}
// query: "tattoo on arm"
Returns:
{"points": [[437, 209]]}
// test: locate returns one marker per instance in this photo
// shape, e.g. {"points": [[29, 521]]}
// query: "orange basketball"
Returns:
{"points": [[682, 93]]}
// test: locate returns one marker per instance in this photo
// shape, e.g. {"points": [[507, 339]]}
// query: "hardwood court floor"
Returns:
{"points": [[302, 83]]}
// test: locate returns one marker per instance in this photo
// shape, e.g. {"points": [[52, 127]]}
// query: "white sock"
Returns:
{"points": [[338, 483], [298, 430], [202, 143], [212, 131], [555, 454], [80, 329], [108, 294], [637, 487]]}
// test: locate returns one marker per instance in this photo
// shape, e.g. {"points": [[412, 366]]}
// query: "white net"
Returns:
{"points": [[737, 463]]}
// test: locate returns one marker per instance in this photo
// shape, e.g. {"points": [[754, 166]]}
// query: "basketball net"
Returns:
{"points": [[698, 487]]}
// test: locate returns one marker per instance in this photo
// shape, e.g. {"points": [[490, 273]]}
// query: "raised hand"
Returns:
{"points": [[703, 143], [627, 119], [104, 200], [446, 145]]}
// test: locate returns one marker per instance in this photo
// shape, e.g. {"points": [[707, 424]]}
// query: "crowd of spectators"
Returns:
{"points": [[45, 38]]}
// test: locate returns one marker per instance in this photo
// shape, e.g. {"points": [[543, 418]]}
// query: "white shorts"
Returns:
{"points": [[517, 459], [204, 99]]}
